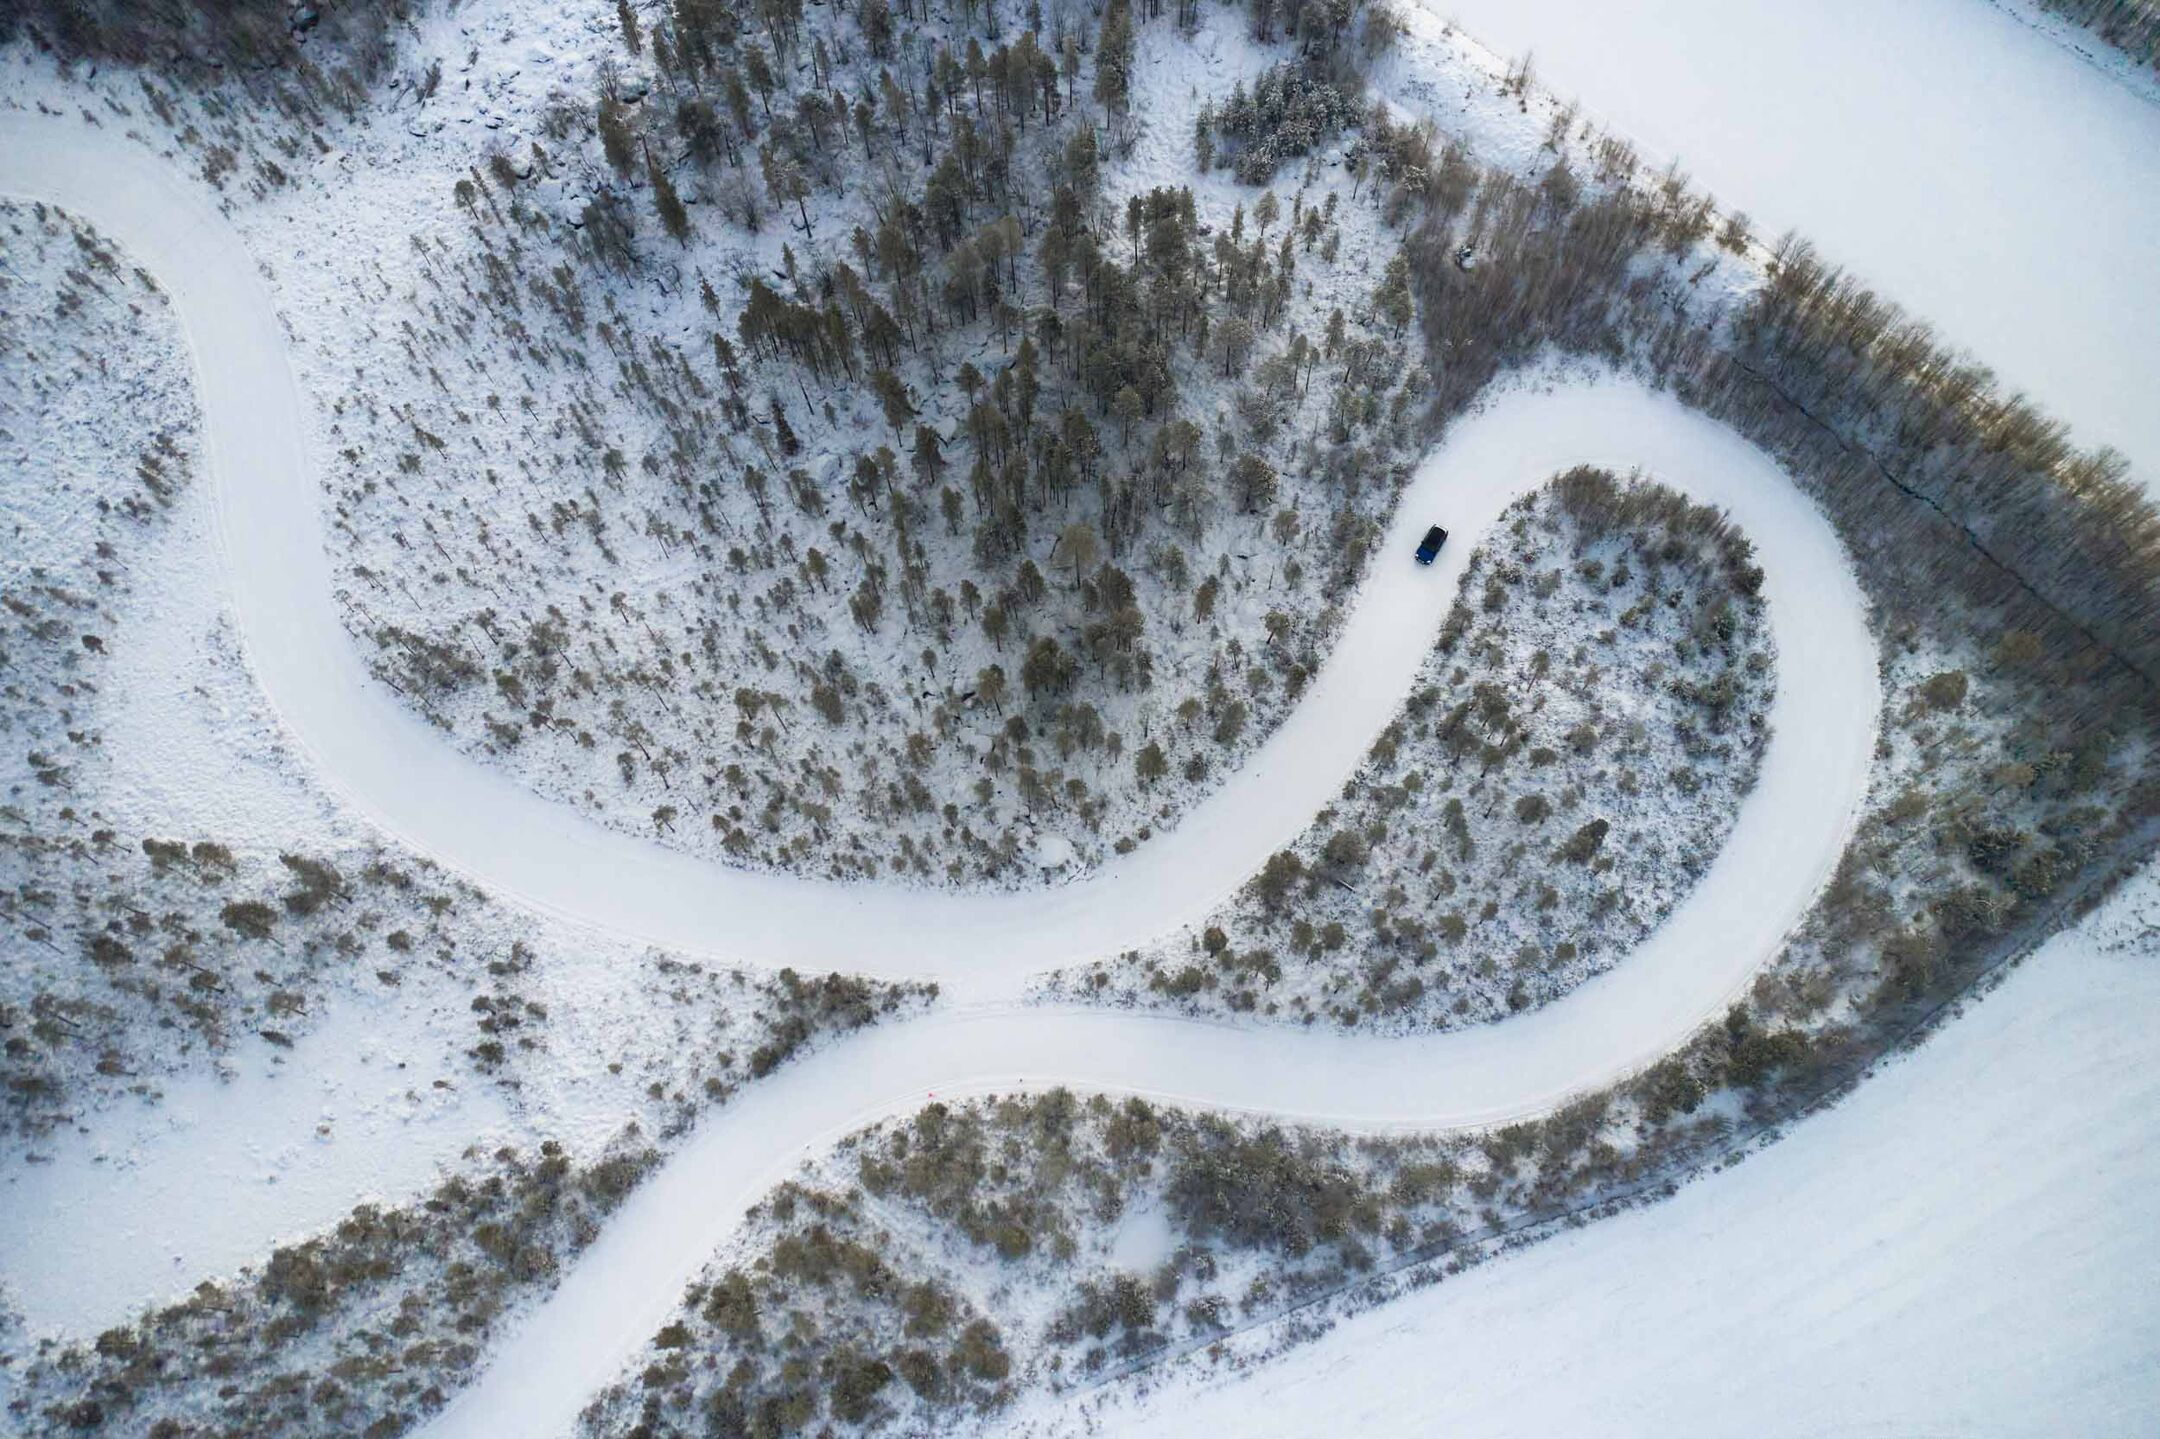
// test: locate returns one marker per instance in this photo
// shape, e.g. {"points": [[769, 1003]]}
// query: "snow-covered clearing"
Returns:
{"points": [[1961, 1247], [1996, 183]]}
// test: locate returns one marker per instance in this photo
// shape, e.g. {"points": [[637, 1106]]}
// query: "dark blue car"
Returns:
{"points": [[1429, 548]]}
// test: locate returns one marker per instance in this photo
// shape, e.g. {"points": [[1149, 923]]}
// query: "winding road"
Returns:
{"points": [[982, 948]]}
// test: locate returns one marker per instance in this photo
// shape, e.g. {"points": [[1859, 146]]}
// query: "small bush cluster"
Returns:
{"points": [[1289, 112]]}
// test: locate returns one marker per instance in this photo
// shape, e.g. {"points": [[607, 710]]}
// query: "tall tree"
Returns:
{"points": [[1114, 59]]}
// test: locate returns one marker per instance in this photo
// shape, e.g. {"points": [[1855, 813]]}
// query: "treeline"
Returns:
{"points": [[201, 35], [2131, 26], [2069, 523], [1943, 485]]}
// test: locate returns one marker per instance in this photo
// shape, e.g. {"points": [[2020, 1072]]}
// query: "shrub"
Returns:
{"points": [[1584, 844], [1945, 691]]}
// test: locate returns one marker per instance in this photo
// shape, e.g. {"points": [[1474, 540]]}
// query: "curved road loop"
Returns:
{"points": [[983, 947]]}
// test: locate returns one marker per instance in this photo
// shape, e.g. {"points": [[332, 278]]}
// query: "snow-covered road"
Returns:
{"points": [[401, 774], [404, 777]]}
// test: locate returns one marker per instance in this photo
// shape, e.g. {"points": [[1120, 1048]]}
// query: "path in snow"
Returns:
{"points": [[1969, 165], [1962, 1247], [400, 774]]}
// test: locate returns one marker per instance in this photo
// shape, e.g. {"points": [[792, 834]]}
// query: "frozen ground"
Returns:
{"points": [[395, 769], [1962, 160], [1962, 1247]]}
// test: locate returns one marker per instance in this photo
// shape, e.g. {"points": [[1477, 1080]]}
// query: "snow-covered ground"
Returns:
{"points": [[398, 772], [395, 769], [1974, 169], [400, 775], [181, 1158], [1961, 1247]]}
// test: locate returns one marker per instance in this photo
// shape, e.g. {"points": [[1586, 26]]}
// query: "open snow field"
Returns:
{"points": [[1987, 177], [1961, 1247]]}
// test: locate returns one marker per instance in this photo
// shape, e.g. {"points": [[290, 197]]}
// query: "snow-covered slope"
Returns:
{"points": [[1955, 156], [1962, 1247]]}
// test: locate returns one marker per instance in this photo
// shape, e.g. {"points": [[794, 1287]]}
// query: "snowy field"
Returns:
{"points": [[1961, 1247], [1953, 153]]}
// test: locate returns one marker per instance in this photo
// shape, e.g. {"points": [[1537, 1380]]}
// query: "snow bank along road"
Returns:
{"points": [[397, 771]]}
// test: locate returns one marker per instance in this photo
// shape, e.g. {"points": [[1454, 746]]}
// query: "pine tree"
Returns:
{"points": [[1114, 59], [1150, 764], [616, 140], [783, 431], [674, 215]]}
